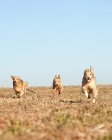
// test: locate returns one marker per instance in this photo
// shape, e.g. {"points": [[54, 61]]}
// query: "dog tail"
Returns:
{"points": [[26, 83], [97, 91]]}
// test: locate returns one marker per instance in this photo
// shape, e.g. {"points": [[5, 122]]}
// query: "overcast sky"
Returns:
{"points": [[42, 38]]}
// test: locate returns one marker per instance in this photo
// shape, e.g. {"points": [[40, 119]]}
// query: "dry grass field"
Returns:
{"points": [[71, 116]]}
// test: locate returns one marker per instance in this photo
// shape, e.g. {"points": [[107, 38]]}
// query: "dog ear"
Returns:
{"points": [[55, 77], [19, 78], [59, 77], [91, 69], [12, 76], [86, 71]]}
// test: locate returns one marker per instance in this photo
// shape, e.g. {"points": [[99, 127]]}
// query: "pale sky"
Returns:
{"points": [[42, 38]]}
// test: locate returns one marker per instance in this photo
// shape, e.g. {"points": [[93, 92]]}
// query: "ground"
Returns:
{"points": [[70, 116]]}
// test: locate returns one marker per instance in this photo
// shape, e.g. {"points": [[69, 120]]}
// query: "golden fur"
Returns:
{"points": [[57, 86], [89, 84], [19, 86]]}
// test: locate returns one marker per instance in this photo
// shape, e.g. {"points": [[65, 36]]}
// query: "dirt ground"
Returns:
{"points": [[70, 116]]}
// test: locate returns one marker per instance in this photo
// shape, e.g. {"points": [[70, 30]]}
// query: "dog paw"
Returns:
{"points": [[89, 96], [19, 96], [86, 94], [93, 101], [14, 97]]}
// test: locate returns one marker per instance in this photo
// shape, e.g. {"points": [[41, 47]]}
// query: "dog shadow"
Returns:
{"points": [[70, 101]]}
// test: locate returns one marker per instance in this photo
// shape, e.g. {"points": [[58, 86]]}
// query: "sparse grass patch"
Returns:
{"points": [[69, 116]]}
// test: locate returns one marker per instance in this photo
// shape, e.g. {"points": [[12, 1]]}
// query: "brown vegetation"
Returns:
{"points": [[69, 116]]}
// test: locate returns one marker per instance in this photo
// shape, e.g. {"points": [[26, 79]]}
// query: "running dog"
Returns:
{"points": [[89, 84], [57, 86], [19, 86]]}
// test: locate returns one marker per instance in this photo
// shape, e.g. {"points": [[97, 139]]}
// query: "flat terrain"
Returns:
{"points": [[70, 116]]}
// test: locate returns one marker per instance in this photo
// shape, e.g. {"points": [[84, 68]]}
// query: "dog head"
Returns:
{"points": [[88, 74], [57, 80], [16, 80]]}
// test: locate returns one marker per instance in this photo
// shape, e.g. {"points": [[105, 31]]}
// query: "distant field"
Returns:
{"points": [[39, 116]]}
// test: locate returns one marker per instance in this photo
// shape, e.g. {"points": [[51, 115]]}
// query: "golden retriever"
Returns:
{"points": [[19, 86], [89, 84], [57, 86]]}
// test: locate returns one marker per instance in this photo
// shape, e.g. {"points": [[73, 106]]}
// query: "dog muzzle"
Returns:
{"points": [[14, 82], [89, 80]]}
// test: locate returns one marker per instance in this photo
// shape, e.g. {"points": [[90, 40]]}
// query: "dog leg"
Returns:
{"points": [[14, 95], [18, 95], [82, 90], [21, 93], [54, 92], [94, 95], [93, 100], [60, 92], [86, 94]]}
